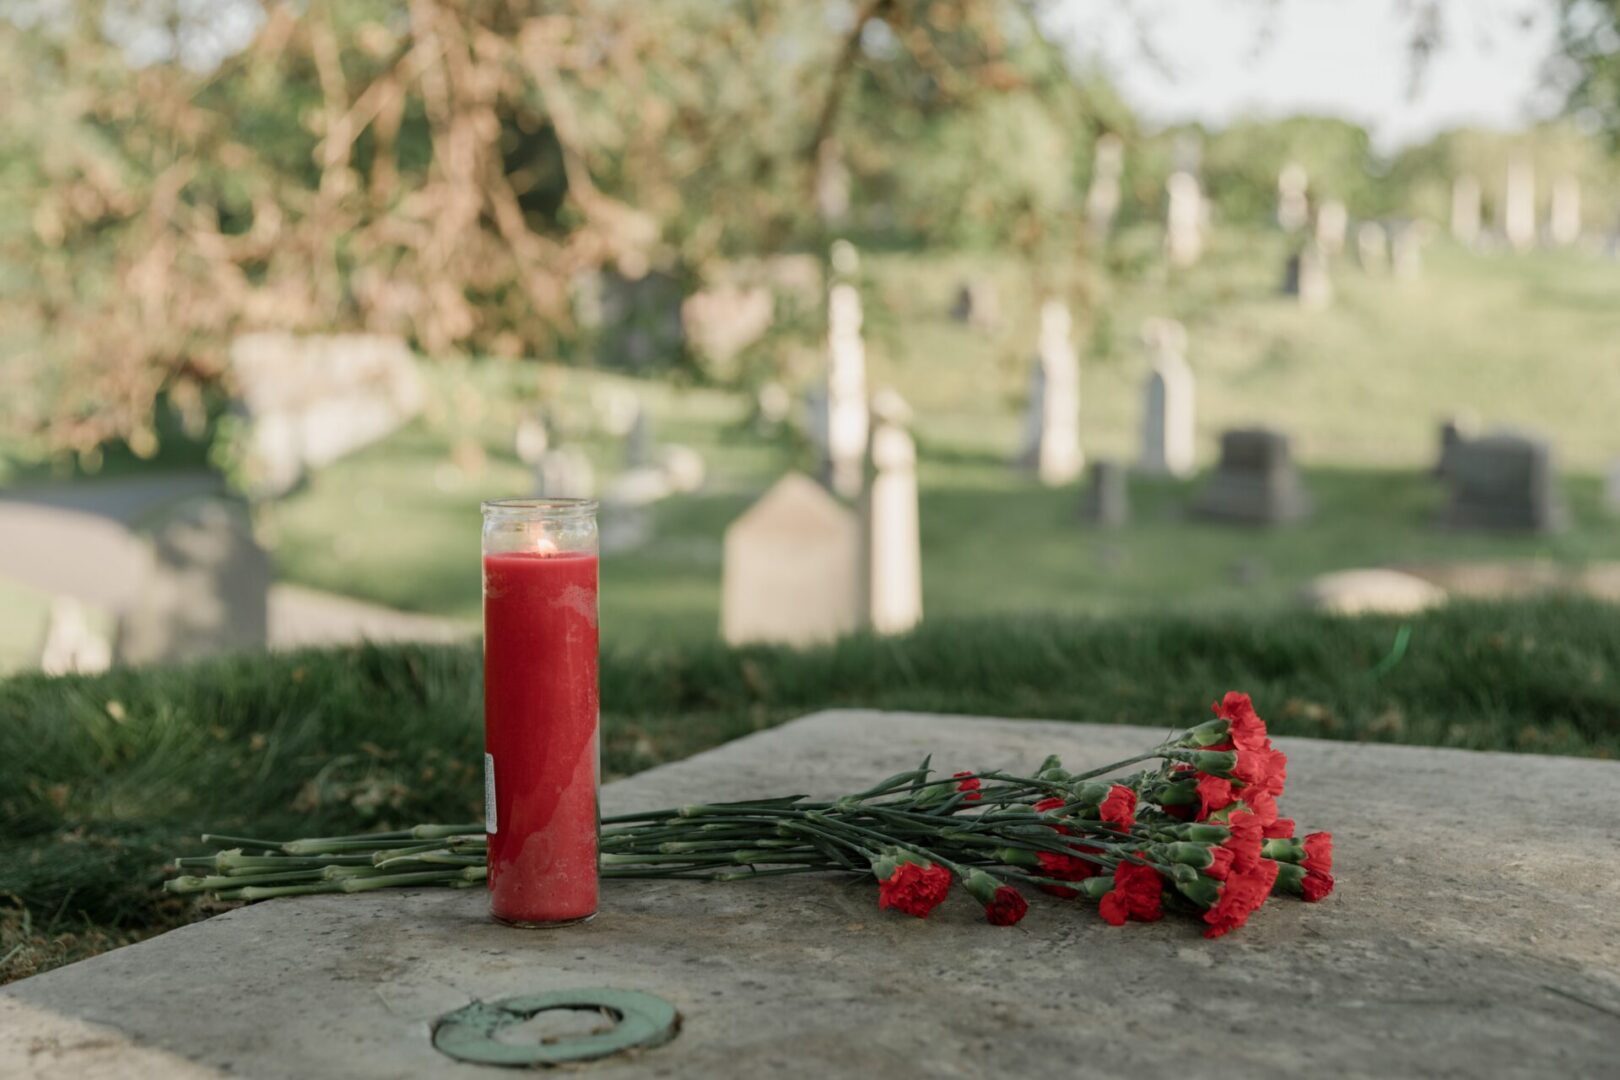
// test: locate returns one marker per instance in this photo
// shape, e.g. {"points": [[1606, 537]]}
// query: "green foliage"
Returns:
{"points": [[1554, 150], [448, 169], [1241, 163]]}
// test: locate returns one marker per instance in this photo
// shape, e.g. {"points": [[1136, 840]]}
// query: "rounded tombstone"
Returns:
{"points": [[1371, 592]]}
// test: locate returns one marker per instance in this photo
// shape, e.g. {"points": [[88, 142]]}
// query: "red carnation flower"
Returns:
{"points": [[1276, 772], [914, 888], [1007, 907], [1246, 840], [1241, 896], [1281, 829], [1221, 868], [1250, 767], [1054, 804], [970, 785], [1318, 866], [1246, 729], [1119, 808], [1261, 805], [1064, 868], [1214, 793], [1135, 895]]}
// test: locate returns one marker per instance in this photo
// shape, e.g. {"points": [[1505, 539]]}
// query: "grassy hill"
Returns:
{"points": [[1528, 341]]}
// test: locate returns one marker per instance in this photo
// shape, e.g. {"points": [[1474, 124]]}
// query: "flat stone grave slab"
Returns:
{"points": [[1475, 931]]}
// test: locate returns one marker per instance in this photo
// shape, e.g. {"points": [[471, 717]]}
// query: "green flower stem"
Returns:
{"points": [[221, 840], [674, 846], [188, 884], [775, 871], [887, 841], [719, 808], [1156, 752], [235, 863]]}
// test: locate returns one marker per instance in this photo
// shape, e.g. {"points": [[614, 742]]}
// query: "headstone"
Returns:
{"points": [[682, 466], [640, 320], [1406, 252], [1168, 446], [1465, 210], [531, 441], [310, 400], [1184, 220], [846, 416], [795, 282], [1454, 431], [1611, 487], [1293, 209], [1332, 220], [1504, 481], [1256, 482], [832, 182], [723, 320], [72, 645], [893, 547], [1306, 277], [773, 402], [845, 259], [978, 304], [564, 472], [208, 591], [791, 568], [626, 515], [1107, 496], [1486, 945], [1564, 211], [1052, 424], [1372, 247], [1371, 592], [1102, 196], [638, 441], [1519, 205]]}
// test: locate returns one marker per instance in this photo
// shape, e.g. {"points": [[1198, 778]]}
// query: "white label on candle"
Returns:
{"points": [[489, 794]]}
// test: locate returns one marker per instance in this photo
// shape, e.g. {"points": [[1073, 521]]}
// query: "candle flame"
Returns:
{"points": [[539, 542]]}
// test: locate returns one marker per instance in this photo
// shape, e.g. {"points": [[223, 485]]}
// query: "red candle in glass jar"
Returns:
{"points": [[540, 709]]}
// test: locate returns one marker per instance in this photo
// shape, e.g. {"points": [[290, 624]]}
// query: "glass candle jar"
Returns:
{"points": [[540, 709]]}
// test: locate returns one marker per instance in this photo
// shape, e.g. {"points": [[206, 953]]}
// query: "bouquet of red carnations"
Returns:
{"points": [[1199, 831]]}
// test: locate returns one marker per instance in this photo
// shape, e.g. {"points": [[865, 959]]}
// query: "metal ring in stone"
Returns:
{"points": [[469, 1034]]}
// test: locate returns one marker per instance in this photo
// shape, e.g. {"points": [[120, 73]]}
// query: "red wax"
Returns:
{"points": [[540, 734]]}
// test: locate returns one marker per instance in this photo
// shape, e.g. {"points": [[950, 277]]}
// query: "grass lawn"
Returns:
{"points": [[1525, 341], [103, 778]]}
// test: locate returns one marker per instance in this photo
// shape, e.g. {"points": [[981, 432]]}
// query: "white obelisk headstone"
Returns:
{"points": [[1167, 424], [1564, 211], [1332, 219], [1053, 444], [1293, 210], [893, 570], [1184, 220], [1519, 205], [847, 419], [1102, 197]]}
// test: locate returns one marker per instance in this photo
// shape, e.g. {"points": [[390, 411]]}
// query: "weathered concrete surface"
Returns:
{"points": [[1476, 931]]}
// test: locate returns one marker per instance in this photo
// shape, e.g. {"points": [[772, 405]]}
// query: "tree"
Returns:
{"points": [[446, 169]]}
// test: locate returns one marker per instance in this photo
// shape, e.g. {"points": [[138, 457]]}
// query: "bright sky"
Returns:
{"points": [[1349, 58]]}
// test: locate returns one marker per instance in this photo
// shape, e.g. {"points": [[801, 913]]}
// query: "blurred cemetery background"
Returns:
{"points": [[851, 315]]}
